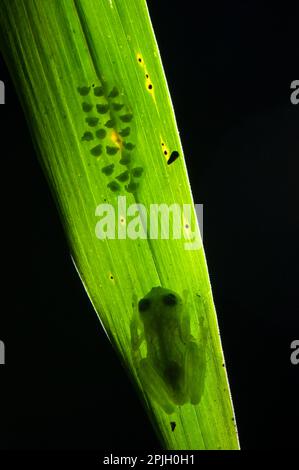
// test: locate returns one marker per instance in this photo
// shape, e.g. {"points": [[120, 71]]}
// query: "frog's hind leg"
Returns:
{"points": [[195, 369], [137, 334], [154, 386]]}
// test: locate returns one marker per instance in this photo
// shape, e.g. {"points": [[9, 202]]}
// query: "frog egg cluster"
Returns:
{"points": [[108, 130]]}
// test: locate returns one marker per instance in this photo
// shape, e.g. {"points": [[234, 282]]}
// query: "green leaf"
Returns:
{"points": [[90, 79]]}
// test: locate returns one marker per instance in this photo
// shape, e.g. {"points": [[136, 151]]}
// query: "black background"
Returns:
{"points": [[229, 66]]}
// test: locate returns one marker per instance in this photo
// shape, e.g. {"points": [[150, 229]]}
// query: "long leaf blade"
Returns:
{"points": [[70, 60]]}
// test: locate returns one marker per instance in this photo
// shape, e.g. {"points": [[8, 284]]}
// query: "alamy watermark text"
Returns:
{"points": [[158, 221]]}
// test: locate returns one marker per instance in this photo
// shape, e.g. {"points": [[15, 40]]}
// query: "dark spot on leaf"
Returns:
{"points": [[83, 90], [108, 170], [137, 172], [87, 136], [125, 159], [125, 132], [92, 121], [117, 106], [111, 150], [123, 176], [173, 425], [102, 108], [113, 93], [132, 187], [96, 151], [129, 145], [110, 123], [101, 133], [114, 186], [173, 157], [86, 107], [126, 117], [150, 87], [98, 91]]}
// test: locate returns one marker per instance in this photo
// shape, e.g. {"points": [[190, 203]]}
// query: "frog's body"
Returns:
{"points": [[172, 372]]}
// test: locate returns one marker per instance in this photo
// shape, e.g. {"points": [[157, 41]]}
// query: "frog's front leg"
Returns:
{"points": [[154, 386], [195, 364], [195, 358], [137, 334], [136, 341], [195, 371]]}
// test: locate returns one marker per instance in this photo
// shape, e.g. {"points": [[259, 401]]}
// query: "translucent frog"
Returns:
{"points": [[173, 371]]}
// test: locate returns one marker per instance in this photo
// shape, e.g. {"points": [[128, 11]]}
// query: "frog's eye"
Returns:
{"points": [[169, 300], [144, 304]]}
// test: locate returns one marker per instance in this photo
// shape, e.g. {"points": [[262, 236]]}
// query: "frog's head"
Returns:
{"points": [[159, 300]]}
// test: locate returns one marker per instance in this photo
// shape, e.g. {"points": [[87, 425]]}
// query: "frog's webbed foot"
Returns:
{"points": [[154, 386]]}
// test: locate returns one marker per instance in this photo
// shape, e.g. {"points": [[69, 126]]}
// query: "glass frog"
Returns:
{"points": [[173, 371]]}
